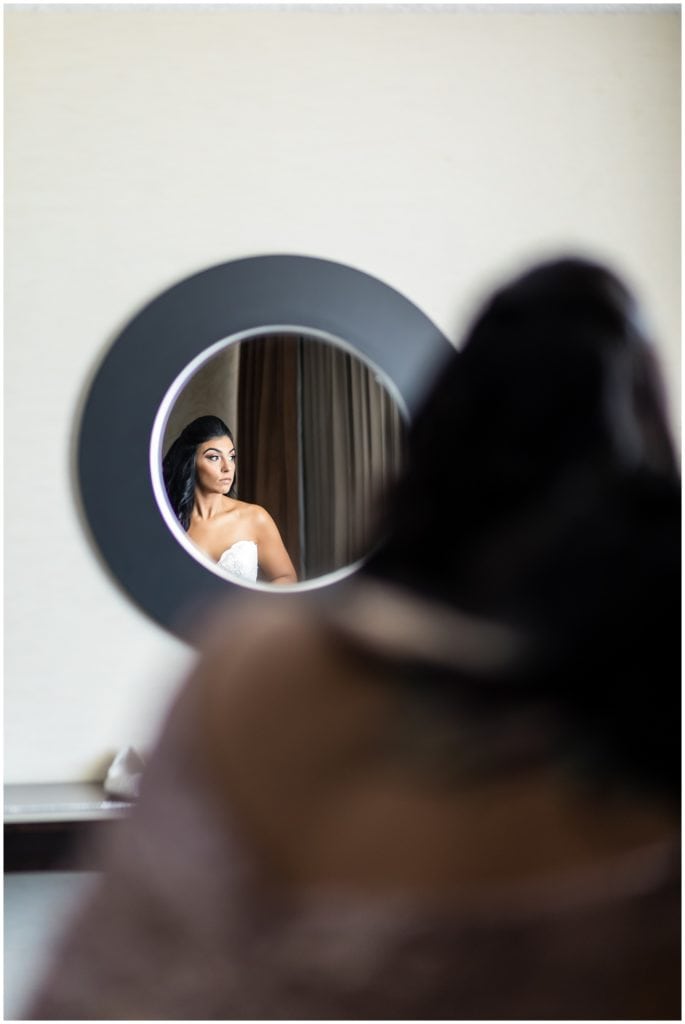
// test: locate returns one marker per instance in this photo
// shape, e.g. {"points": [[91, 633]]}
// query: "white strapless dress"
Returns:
{"points": [[241, 560]]}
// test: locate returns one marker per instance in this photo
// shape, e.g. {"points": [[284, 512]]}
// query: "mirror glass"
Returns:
{"points": [[319, 435]]}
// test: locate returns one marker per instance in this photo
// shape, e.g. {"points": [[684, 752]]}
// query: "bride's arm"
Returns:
{"points": [[274, 560]]}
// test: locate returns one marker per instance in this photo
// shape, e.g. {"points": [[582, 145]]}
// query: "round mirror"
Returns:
{"points": [[335, 324], [315, 438]]}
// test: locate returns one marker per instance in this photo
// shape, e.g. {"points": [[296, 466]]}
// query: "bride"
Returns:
{"points": [[200, 478]]}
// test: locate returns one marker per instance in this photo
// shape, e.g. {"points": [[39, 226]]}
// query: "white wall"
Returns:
{"points": [[435, 150]]}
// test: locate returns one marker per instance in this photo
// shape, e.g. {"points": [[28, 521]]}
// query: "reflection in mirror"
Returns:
{"points": [[319, 437]]}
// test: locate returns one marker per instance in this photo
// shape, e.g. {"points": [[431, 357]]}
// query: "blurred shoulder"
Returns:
{"points": [[277, 688], [250, 628], [261, 656]]}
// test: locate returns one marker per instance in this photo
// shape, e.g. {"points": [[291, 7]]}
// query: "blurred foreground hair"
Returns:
{"points": [[542, 491]]}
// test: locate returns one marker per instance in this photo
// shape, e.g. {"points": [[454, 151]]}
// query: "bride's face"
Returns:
{"points": [[215, 465]]}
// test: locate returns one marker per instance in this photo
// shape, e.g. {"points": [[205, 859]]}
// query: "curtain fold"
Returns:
{"points": [[268, 430], [352, 447]]}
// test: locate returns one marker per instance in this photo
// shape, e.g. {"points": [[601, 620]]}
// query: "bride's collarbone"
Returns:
{"points": [[215, 539], [216, 516]]}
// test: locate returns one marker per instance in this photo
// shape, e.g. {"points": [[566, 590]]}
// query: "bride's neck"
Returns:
{"points": [[207, 506]]}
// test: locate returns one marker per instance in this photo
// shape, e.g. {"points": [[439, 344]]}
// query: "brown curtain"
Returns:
{"points": [[352, 448], [267, 442]]}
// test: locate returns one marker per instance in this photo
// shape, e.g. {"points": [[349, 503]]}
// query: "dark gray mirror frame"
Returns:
{"points": [[159, 343]]}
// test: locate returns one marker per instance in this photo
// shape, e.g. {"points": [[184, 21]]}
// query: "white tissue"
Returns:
{"points": [[125, 774]]}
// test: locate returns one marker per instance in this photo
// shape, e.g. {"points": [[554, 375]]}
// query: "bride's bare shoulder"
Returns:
{"points": [[272, 668], [240, 625], [258, 648], [245, 508]]}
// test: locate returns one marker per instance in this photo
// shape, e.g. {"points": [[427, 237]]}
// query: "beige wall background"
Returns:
{"points": [[435, 149]]}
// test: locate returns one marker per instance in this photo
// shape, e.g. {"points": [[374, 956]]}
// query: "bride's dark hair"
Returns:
{"points": [[542, 491], [178, 466], [555, 380]]}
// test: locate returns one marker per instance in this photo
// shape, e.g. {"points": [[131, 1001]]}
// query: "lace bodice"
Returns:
{"points": [[240, 560]]}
